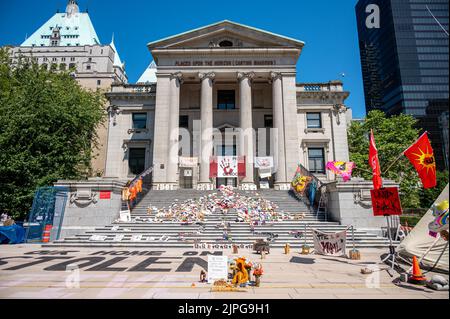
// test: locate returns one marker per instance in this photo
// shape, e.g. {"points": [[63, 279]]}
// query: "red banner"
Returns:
{"points": [[386, 201], [241, 167], [374, 163], [213, 167]]}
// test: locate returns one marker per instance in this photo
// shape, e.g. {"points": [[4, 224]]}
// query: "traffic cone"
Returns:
{"points": [[417, 277]]}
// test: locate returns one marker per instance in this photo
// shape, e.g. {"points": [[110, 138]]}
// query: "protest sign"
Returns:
{"points": [[330, 244], [386, 201]]}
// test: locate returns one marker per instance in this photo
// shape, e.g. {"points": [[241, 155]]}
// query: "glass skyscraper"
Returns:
{"points": [[405, 64]]}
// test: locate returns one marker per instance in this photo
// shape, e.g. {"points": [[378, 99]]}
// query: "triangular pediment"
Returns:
{"points": [[224, 34]]}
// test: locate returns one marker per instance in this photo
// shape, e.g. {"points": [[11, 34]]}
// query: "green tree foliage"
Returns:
{"points": [[428, 196], [392, 136], [47, 130]]}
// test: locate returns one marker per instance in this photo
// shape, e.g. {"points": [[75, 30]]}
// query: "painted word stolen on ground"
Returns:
{"points": [[153, 261]]}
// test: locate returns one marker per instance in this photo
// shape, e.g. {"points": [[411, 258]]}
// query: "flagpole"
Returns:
{"points": [[393, 162], [402, 153]]}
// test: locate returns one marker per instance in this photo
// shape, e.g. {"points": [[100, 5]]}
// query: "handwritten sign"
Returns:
{"points": [[386, 201], [217, 268], [330, 244]]}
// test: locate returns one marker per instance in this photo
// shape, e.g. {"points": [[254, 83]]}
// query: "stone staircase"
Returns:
{"points": [[142, 233]]}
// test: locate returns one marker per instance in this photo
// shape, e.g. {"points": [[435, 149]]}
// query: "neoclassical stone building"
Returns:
{"points": [[231, 78]]}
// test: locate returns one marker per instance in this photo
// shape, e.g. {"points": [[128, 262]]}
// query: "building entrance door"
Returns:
{"points": [[186, 178], [226, 150]]}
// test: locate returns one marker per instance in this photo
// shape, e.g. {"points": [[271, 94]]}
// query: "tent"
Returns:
{"points": [[419, 241]]}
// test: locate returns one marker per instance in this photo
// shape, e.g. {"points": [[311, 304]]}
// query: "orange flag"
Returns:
{"points": [[374, 163], [421, 155]]}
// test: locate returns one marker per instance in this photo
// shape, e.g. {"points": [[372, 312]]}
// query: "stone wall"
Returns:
{"points": [[85, 210], [350, 204]]}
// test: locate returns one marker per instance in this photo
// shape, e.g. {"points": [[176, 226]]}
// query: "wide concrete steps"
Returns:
{"points": [[144, 232]]}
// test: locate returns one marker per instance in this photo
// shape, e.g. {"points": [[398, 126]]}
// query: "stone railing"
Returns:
{"points": [[133, 88], [332, 86]]}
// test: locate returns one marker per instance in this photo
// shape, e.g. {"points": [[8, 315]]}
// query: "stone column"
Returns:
{"points": [[246, 135], [174, 121], [278, 124], [206, 140]]}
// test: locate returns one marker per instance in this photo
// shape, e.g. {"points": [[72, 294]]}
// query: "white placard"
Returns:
{"points": [[264, 185], [263, 162], [217, 268], [125, 216]]}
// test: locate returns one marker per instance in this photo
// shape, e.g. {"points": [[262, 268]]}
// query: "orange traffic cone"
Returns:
{"points": [[417, 277]]}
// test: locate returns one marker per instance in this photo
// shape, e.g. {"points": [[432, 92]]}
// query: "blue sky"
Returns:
{"points": [[327, 27]]}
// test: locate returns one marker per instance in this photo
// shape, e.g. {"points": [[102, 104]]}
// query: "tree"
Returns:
{"points": [[392, 135], [48, 128], [428, 196]]}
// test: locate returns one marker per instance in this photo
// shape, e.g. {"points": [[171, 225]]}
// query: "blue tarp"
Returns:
{"points": [[14, 234]]}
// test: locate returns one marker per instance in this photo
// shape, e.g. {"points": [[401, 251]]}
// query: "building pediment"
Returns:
{"points": [[225, 34]]}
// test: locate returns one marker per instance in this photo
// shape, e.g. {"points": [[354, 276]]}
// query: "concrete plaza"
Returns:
{"points": [[30, 271]]}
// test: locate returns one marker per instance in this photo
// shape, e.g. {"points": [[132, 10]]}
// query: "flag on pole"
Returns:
{"points": [[421, 155], [374, 163]]}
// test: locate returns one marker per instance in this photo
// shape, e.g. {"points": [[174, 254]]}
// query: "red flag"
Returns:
{"points": [[421, 155], [374, 163]]}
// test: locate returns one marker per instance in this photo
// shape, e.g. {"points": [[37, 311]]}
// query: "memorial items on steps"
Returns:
{"points": [[253, 210], [241, 277]]}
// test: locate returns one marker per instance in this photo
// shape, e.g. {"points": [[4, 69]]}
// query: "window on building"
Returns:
{"points": [[226, 99], [72, 59], [62, 66], [314, 120], [268, 121], [227, 150], [316, 159], [63, 59], [184, 121], [136, 160], [99, 82], [139, 120], [88, 67]]}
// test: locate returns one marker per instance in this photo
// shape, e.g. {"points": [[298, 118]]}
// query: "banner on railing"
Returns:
{"points": [[300, 182], [263, 162], [330, 244], [188, 161], [227, 166]]}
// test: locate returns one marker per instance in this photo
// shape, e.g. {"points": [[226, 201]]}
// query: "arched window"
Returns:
{"points": [[226, 43]]}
